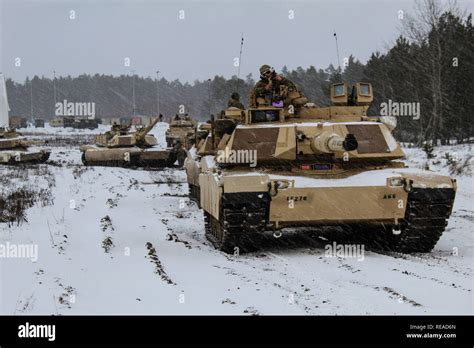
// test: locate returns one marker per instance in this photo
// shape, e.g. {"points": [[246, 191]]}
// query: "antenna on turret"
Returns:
{"points": [[240, 61], [337, 50], [209, 94]]}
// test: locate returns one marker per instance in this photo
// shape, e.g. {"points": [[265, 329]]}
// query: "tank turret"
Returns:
{"points": [[121, 136]]}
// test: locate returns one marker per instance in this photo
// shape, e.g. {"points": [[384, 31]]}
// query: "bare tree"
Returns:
{"points": [[422, 29]]}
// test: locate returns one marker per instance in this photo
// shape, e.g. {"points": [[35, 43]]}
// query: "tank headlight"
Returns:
{"points": [[408, 185], [282, 184], [275, 185], [397, 181]]}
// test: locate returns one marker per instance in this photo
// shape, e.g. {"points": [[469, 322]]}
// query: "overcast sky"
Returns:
{"points": [[202, 44]]}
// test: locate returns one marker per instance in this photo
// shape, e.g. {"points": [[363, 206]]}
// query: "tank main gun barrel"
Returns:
{"points": [[331, 142], [145, 130]]}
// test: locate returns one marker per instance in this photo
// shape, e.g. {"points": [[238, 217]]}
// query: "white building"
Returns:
{"points": [[4, 107]]}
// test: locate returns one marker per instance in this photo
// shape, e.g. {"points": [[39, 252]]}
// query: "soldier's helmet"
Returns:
{"points": [[265, 69], [235, 96]]}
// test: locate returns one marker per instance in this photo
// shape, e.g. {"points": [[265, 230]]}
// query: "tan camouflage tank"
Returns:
{"points": [[120, 147], [16, 149], [300, 167], [182, 130]]}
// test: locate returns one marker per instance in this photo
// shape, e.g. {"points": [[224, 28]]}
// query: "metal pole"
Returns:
{"points": [[157, 93], [133, 93], [31, 100], [209, 94], [54, 86]]}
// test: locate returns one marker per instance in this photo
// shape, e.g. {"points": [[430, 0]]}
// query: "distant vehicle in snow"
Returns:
{"points": [[121, 147], [14, 149]]}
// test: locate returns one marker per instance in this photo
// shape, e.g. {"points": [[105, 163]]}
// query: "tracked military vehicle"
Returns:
{"points": [[182, 130], [120, 147], [293, 166], [16, 149]]}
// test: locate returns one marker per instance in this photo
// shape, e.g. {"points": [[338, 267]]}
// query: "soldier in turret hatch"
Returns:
{"points": [[180, 152], [272, 87], [234, 101]]}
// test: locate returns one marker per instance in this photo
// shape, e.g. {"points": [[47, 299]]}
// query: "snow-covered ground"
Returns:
{"points": [[120, 241]]}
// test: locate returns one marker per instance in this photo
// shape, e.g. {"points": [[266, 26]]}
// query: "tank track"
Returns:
{"points": [[195, 194], [133, 163], [426, 218], [44, 157], [130, 164], [235, 230]]}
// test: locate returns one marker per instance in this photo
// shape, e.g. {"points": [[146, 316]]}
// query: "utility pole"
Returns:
{"points": [[157, 93], [209, 94], [31, 100], [54, 87], [133, 93]]}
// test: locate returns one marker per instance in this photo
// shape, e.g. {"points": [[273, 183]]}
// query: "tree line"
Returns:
{"points": [[431, 63]]}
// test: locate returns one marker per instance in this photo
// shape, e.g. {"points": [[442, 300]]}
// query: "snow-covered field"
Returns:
{"points": [[120, 241]]}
